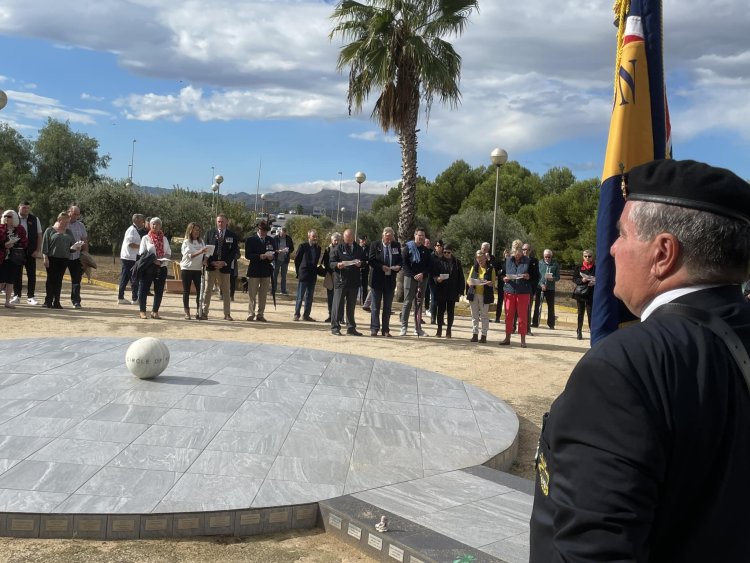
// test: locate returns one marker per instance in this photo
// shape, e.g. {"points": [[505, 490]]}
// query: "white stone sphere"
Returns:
{"points": [[147, 357]]}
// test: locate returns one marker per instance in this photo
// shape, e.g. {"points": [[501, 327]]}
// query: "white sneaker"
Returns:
{"points": [[14, 300], [123, 302], [428, 313], [403, 332], [32, 301], [419, 332]]}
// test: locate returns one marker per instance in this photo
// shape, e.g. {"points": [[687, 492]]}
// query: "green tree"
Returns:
{"points": [[61, 155], [449, 190], [556, 180], [16, 162], [397, 48], [518, 186]]}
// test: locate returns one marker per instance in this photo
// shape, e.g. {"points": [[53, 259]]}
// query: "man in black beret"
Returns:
{"points": [[645, 456]]}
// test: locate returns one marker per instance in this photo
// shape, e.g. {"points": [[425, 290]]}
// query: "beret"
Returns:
{"points": [[691, 184], [262, 226]]}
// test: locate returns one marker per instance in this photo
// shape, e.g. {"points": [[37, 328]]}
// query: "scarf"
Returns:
{"points": [[158, 240], [411, 246], [586, 267]]}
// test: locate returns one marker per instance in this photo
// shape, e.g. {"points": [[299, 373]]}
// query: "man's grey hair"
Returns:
{"points": [[137, 216], [546, 250], [312, 232], [713, 248], [389, 230]]}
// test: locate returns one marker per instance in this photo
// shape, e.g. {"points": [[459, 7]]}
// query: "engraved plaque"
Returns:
{"points": [[250, 519], [374, 541], [396, 553], [219, 521], [88, 525], [123, 525], [188, 523], [278, 517], [56, 525], [156, 524], [21, 525], [334, 521], [354, 531], [306, 512]]}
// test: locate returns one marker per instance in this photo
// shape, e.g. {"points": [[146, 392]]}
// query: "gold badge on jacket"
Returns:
{"points": [[541, 467]]}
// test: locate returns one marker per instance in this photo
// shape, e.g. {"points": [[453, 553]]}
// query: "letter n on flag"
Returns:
{"points": [[639, 132]]}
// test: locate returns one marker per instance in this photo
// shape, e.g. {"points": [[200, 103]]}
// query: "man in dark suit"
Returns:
{"points": [[346, 260], [306, 265], [285, 247], [260, 250], [644, 456], [219, 267], [385, 262], [534, 278]]}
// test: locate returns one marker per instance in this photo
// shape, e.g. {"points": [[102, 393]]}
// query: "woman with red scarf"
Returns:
{"points": [[12, 235], [584, 278], [156, 243]]}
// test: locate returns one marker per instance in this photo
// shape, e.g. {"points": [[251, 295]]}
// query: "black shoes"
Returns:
{"points": [[579, 335], [353, 332], [335, 332], [483, 339], [475, 338], [309, 319]]}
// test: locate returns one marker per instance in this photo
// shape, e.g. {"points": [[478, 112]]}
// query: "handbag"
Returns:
{"points": [[581, 292], [87, 260], [17, 256], [321, 271]]}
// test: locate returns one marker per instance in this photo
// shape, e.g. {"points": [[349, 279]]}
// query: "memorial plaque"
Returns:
{"points": [[222, 521], [396, 553], [156, 525], [188, 523], [278, 517], [305, 512], [21, 525], [123, 524], [334, 521], [56, 525], [354, 531], [250, 519], [89, 525], [374, 541]]}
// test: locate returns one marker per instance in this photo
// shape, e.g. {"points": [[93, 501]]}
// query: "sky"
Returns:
{"points": [[249, 89]]}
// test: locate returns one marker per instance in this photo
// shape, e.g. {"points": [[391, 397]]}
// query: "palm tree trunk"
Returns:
{"points": [[408, 212]]}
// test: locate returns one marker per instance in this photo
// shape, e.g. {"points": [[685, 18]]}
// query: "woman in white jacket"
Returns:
{"points": [[191, 266], [156, 243]]}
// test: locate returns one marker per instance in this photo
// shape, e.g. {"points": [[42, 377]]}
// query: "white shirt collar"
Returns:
{"points": [[671, 295]]}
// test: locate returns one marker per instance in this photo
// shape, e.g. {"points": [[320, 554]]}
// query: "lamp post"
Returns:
{"points": [[342, 216], [129, 183], [359, 177], [215, 187], [499, 157], [341, 176], [263, 205]]}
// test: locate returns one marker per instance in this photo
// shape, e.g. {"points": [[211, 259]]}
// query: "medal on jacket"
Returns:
{"points": [[541, 468]]}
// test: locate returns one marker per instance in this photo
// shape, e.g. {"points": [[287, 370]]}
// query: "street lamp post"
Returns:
{"points": [[262, 205], [499, 157], [341, 176], [359, 177], [342, 216], [215, 187], [130, 166]]}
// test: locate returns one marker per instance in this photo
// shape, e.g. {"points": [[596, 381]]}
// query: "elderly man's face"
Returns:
{"points": [[221, 223], [74, 213], [632, 265], [312, 237], [547, 257], [387, 237], [419, 237], [24, 210], [348, 236]]}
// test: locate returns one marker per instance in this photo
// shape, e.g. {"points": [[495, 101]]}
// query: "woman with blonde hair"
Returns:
{"points": [[12, 236], [517, 291], [156, 243], [191, 266]]}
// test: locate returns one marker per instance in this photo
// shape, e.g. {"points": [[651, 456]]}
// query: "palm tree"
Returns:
{"points": [[397, 48]]}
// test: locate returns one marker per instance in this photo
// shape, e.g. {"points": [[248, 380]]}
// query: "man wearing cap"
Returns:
{"points": [[260, 249], [644, 456]]}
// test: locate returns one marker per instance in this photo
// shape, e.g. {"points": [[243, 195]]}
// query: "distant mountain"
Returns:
{"points": [[287, 200]]}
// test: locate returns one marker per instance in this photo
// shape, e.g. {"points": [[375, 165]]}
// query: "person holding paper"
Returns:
{"points": [[219, 265], [346, 260], [449, 286], [385, 262], [191, 266], [481, 294], [57, 244], [517, 292], [156, 243], [549, 273], [584, 278], [131, 242], [12, 235], [75, 268]]}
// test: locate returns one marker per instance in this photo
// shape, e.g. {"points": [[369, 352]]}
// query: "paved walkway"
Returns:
{"points": [[227, 426]]}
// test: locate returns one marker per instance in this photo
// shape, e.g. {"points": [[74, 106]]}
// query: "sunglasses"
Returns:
{"points": [[7, 216]]}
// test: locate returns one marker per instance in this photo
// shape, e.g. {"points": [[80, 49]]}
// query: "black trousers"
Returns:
{"points": [[584, 305], [157, 276], [30, 267], [448, 305], [55, 273], [549, 297], [190, 277], [341, 296], [76, 274]]}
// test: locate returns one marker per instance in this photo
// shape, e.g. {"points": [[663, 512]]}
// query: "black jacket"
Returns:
{"points": [[254, 247], [348, 277], [281, 242], [306, 262], [226, 252], [377, 260], [452, 288], [644, 456]]}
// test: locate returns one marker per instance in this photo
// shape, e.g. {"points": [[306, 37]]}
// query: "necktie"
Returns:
{"points": [[220, 243], [387, 252]]}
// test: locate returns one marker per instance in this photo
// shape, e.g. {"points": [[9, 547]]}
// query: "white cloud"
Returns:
{"points": [[347, 186], [91, 97]]}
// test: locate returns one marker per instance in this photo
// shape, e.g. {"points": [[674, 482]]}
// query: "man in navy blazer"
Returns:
{"points": [[385, 262], [346, 260], [306, 265], [219, 264]]}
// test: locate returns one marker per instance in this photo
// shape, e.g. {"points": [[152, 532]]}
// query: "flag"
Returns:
{"points": [[639, 132]]}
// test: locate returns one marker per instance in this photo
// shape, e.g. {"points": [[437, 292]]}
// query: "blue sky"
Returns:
{"points": [[231, 83]]}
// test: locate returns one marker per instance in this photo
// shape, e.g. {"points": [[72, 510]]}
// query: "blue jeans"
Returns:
{"points": [[281, 268], [127, 266], [306, 290], [386, 295]]}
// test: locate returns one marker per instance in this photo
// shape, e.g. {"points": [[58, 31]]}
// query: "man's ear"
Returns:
{"points": [[666, 255]]}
